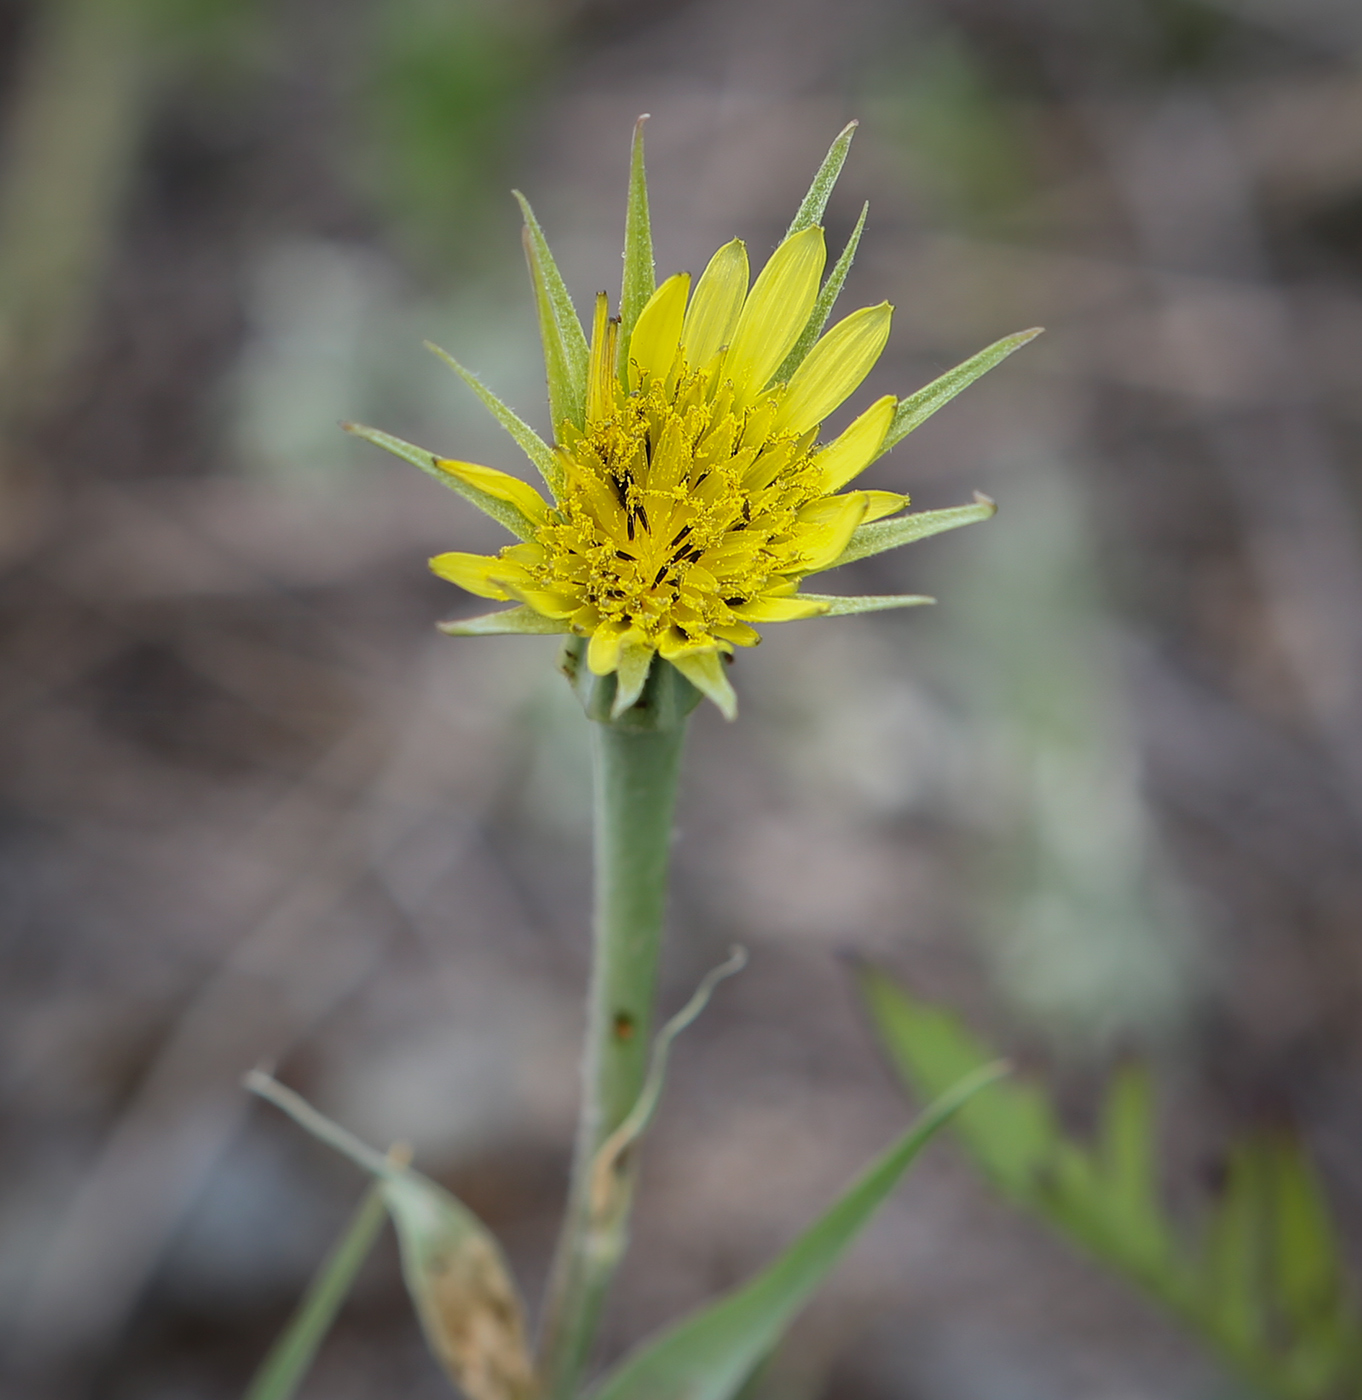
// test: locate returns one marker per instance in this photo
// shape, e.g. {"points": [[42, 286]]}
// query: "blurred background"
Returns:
{"points": [[1107, 797]]}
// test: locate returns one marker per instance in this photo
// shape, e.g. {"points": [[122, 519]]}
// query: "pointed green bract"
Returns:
{"points": [[710, 1354], [503, 512], [639, 275], [290, 1358], [520, 620], [880, 535], [917, 408], [560, 328], [822, 308], [529, 441], [845, 606], [810, 211], [469, 1308]]}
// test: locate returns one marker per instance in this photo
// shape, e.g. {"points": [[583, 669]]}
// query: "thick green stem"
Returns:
{"points": [[636, 766]]}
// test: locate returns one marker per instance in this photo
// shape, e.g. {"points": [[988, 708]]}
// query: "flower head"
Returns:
{"points": [[690, 492]]}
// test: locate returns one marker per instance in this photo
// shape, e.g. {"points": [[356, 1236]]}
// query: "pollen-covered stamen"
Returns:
{"points": [[676, 509]]}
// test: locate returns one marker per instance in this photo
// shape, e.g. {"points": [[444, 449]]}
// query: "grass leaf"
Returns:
{"points": [[289, 1359], [709, 1355]]}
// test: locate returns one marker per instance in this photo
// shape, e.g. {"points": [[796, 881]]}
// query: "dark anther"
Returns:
{"points": [[681, 534], [620, 554], [661, 574]]}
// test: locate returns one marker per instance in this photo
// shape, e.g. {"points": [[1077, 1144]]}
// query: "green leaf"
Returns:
{"points": [[1233, 1256], [844, 606], [913, 411], [1131, 1216], [1008, 1128], [1308, 1274], [639, 275], [565, 349], [529, 441], [469, 1309], [822, 308], [520, 621], [289, 1359], [503, 512], [1266, 1287], [810, 211], [880, 535], [710, 1354]]}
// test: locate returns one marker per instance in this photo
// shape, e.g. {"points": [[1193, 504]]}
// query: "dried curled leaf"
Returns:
{"points": [[468, 1305]]}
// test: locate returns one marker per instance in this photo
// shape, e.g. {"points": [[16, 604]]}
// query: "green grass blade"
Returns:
{"points": [[810, 212], [880, 535], [822, 308], [709, 1355], [913, 411], [560, 328], [291, 1356], [529, 441], [639, 274]]}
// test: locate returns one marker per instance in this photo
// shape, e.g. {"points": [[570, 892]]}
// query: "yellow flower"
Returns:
{"points": [[690, 494]]}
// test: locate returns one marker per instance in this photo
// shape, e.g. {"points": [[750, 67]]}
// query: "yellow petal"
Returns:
{"points": [[825, 528], [834, 368], [776, 310], [631, 675], [600, 379], [603, 655], [878, 504], [780, 609], [714, 309], [543, 600], [473, 572], [500, 485], [658, 330], [853, 451]]}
